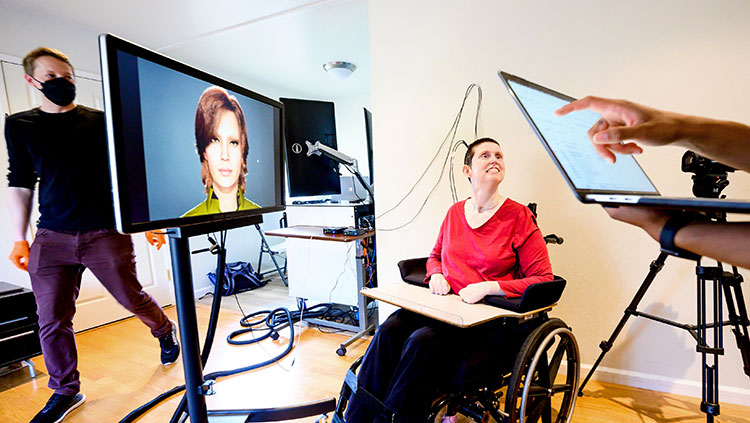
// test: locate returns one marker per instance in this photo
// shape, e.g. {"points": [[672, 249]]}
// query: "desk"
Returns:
{"points": [[317, 241]]}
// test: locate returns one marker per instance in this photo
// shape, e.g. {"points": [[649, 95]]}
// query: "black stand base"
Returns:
{"points": [[724, 284], [195, 387]]}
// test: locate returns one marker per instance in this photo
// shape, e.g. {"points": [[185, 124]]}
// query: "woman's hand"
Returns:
{"points": [[476, 291], [438, 284]]}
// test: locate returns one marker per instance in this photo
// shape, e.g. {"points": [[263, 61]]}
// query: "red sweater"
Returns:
{"points": [[508, 248]]}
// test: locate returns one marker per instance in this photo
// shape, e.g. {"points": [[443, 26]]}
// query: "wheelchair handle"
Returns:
{"points": [[553, 239]]}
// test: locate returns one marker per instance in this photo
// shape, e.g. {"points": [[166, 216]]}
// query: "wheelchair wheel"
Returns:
{"points": [[533, 392]]}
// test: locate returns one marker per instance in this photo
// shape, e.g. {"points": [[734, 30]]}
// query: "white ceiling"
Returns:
{"points": [[277, 43]]}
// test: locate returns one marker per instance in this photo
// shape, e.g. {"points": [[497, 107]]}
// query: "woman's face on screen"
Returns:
{"points": [[224, 153]]}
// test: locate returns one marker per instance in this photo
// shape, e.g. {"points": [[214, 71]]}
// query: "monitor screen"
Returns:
{"points": [[308, 120], [186, 147]]}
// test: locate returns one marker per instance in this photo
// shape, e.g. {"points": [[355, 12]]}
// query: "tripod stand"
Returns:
{"points": [[726, 284]]}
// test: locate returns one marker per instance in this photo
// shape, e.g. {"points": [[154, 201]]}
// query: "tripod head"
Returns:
{"points": [[709, 176]]}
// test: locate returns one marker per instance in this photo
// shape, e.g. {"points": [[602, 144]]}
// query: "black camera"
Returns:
{"points": [[710, 176]]}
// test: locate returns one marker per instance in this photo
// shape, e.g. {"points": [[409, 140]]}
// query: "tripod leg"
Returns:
{"points": [[738, 315], [605, 346], [710, 372]]}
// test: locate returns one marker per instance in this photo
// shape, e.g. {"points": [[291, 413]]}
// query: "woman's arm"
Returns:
{"points": [[533, 263], [435, 261]]}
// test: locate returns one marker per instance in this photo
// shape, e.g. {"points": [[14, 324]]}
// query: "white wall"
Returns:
{"points": [[689, 56]]}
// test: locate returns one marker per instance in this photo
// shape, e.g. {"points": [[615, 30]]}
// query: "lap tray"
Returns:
{"points": [[536, 296], [446, 308]]}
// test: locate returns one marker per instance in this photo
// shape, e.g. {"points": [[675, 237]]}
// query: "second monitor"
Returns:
{"points": [[308, 120]]}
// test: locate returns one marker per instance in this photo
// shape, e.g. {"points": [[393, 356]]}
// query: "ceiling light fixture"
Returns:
{"points": [[340, 70]]}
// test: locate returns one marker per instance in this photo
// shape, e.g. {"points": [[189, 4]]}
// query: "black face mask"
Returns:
{"points": [[59, 90]]}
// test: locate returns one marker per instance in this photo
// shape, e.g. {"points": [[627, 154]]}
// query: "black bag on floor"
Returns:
{"points": [[238, 277]]}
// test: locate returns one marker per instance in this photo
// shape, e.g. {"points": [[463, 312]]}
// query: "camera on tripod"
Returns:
{"points": [[709, 176]]}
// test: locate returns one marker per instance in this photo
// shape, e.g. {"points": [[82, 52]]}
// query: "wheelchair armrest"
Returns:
{"points": [[536, 296], [413, 271]]}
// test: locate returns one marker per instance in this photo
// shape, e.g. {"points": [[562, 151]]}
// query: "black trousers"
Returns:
{"points": [[412, 358]]}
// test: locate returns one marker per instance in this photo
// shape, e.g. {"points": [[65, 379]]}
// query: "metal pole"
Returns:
{"points": [[188, 324]]}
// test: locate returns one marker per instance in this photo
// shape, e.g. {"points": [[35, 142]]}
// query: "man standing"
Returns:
{"points": [[63, 145]]}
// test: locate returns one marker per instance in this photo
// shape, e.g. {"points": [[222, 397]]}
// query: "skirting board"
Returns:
{"points": [[691, 388]]}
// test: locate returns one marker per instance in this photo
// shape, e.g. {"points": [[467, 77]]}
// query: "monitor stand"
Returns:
{"points": [[195, 388]]}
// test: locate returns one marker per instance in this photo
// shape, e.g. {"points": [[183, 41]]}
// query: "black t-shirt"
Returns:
{"points": [[67, 153]]}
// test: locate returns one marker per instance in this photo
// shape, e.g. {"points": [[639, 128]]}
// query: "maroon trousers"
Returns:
{"points": [[56, 263]]}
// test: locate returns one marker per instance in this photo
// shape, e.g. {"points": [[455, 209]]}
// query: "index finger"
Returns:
{"points": [[588, 102]]}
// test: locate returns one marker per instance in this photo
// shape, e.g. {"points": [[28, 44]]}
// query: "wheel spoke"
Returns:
{"points": [[535, 409], [554, 365], [547, 412], [558, 389], [538, 391]]}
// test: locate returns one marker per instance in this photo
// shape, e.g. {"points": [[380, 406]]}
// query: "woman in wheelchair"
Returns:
{"points": [[488, 245]]}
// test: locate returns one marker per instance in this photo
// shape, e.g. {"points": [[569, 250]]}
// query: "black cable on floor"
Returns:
{"points": [[275, 319]]}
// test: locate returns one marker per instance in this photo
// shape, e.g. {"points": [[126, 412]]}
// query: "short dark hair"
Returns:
{"points": [[470, 151], [213, 100], [30, 59]]}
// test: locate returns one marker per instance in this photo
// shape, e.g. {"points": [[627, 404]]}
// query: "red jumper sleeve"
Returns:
{"points": [[533, 260], [434, 261]]}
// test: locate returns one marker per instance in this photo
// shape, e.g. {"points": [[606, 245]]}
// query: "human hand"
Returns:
{"points": [[19, 255], [650, 220], [623, 120], [439, 285], [155, 238], [476, 291]]}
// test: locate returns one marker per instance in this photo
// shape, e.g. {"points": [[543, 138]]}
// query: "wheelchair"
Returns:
{"points": [[526, 388]]}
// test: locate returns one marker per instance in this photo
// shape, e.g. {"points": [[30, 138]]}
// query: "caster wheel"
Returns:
{"points": [[341, 351]]}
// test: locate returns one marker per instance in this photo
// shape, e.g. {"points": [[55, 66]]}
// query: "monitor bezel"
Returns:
{"points": [[109, 44]]}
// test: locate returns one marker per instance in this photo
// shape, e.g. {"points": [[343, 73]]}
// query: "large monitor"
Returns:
{"points": [[186, 147], [309, 120]]}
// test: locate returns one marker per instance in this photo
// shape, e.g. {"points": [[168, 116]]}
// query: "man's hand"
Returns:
{"points": [[438, 284], [155, 238], [19, 255], [476, 291], [650, 220], [624, 120]]}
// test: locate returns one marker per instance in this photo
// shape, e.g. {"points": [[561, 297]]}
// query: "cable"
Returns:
{"points": [[338, 278], [451, 176], [450, 136], [450, 131], [273, 319], [354, 184]]}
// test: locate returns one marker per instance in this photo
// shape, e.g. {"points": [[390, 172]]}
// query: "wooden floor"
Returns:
{"points": [[120, 370]]}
